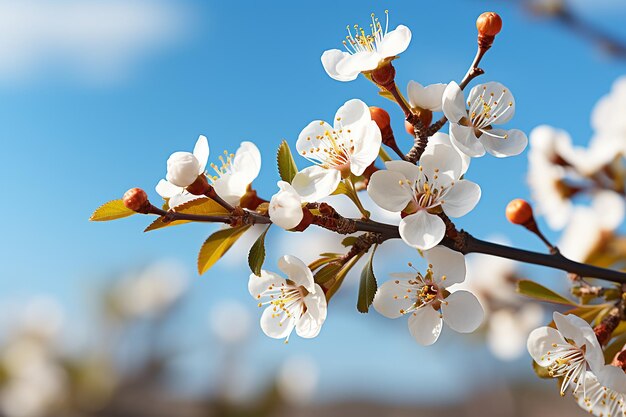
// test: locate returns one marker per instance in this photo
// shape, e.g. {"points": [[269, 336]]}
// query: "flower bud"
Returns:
{"points": [[183, 169], [518, 211], [286, 207], [135, 199], [489, 24], [426, 117], [382, 119]]}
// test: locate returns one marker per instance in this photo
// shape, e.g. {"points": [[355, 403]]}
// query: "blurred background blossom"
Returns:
{"points": [[104, 321]]}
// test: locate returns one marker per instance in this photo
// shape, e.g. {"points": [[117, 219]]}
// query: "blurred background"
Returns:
{"points": [[104, 320]]}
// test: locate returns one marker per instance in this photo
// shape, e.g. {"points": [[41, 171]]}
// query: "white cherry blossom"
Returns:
{"points": [[472, 130], [600, 400], [366, 50], [428, 97], [349, 146], [425, 299], [292, 302], [567, 351], [420, 191], [285, 208], [607, 117]]}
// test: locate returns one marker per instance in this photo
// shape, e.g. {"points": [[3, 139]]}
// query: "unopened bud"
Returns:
{"points": [[135, 199], [307, 220], [382, 119], [489, 24], [425, 116], [518, 211]]}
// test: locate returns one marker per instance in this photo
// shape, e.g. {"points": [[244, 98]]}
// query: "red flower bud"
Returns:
{"points": [[381, 117], [135, 199], [518, 211], [489, 24]]}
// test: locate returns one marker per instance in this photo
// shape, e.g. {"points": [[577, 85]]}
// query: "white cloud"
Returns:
{"points": [[91, 40]]}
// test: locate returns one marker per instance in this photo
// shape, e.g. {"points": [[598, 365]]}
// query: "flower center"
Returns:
{"points": [[428, 194], [362, 41], [567, 361], [423, 291], [332, 149], [485, 111], [225, 166]]}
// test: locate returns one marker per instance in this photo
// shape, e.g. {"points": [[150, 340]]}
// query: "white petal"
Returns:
{"points": [[453, 103], [309, 137], [612, 377], [446, 262], [429, 97], [389, 190], [353, 112], [425, 325], [395, 41], [444, 138], [410, 171], [311, 321], [182, 198], [314, 183], [167, 190], [462, 312], [465, 140], [231, 187], [390, 298], [359, 62], [609, 207], [297, 271], [276, 324], [182, 169], [201, 152], [540, 341], [494, 92], [497, 145], [443, 162], [422, 230], [330, 59], [461, 199], [366, 148], [247, 162], [258, 284]]}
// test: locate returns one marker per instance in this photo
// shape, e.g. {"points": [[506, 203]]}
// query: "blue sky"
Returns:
{"points": [[74, 138]]}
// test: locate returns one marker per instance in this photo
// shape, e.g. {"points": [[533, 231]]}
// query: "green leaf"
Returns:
{"points": [[349, 241], [368, 286], [341, 189], [203, 206], [256, 256], [539, 292], [217, 245], [286, 165], [588, 313], [112, 210]]}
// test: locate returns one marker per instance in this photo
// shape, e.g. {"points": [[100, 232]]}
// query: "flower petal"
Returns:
{"points": [[330, 59], [311, 321], [314, 183], [182, 198], [540, 342], [395, 42], [446, 262], [297, 271], [462, 311], [453, 103], [231, 187], [391, 298], [247, 162], [167, 190], [444, 138], [310, 137], [465, 140], [410, 171], [389, 190], [422, 230], [359, 62], [441, 164], [425, 325], [257, 285], [461, 198], [285, 207], [366, 148], [276, 325], [429, 97], [201, 152], [353, 112], [502, 143]]}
